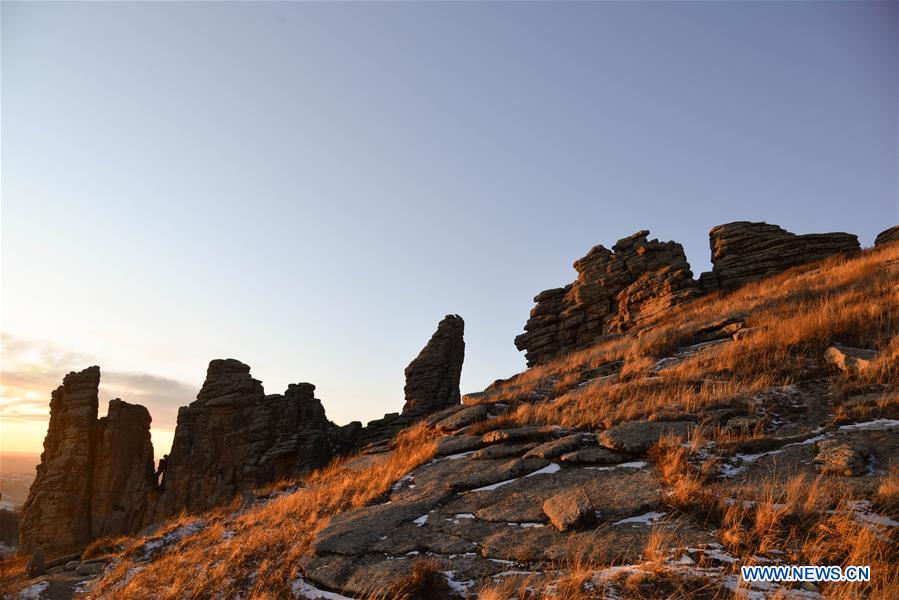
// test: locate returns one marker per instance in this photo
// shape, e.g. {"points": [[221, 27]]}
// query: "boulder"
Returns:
{"points": [[556, 448], [569, 510], [887, 236], [529, 433], [636, 437], [851, 361], [838, 457], [616, 290], [454, 444], [744, 251], [463, 418], [597, 456]]}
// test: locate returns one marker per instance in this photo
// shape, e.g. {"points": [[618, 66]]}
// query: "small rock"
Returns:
{"points": [[62, 560], [453, 444], [91, 567], [36, 566], [836, 457], [502, 451], [463, 418], [569, 510], [596, 456], [851, 361], [743, 424], [531, 433], [555, 448], [636, 437], [742, 334]]}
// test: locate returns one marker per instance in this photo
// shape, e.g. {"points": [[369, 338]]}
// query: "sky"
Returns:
{"points": [[311, 187]]}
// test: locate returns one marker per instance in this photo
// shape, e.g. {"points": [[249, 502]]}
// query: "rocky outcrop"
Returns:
{"points": [[432, 379], [615, 290], [234, 437], [743, 251], [432, 384], [123, 470], [94, 476], [887, 235]]}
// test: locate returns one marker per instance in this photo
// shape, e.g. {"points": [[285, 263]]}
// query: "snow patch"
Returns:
{"points": [[460, 587], [644, 519], [33, 591], [549, 469], [303, 589], [421, 520]]}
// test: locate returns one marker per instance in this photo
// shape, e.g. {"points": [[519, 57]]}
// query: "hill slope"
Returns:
{"points": [[728, 431]]}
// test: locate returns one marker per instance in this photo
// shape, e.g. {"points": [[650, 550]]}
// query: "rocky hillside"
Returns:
{"points": [[668, 431]]}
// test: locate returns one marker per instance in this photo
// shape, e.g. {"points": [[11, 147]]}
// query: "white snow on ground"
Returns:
{"points": [[644, 519], [463, 516], [421, 520], [637, 464], [875, 424], [533, 525], [744, 460], [32, 592], [551, 468], [172, 537], [863, 513], [405, 481], [548, 469], [305, 590], [460, 587]]}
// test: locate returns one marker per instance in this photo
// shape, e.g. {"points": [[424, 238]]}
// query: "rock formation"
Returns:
{"points": [[887, 235], [615, 290], [743, 251], [432, 383], [234, 438], [432, 379], [94, 476]]}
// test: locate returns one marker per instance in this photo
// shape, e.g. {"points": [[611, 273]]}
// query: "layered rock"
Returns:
{"points": [[432, 383], [94, 476], [123, 472], [432, 378], [887, 235], [743, 251], [234, 438], [616, 290]]}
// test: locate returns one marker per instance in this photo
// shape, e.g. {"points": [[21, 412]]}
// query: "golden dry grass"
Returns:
{"points": [[792, 318], [258, 557]]}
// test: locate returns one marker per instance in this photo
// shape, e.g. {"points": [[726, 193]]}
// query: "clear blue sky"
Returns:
{"points": [[311, 187]]}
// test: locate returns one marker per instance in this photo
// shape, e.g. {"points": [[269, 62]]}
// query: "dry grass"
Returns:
{"points": [[259, 555], [792, 318]]}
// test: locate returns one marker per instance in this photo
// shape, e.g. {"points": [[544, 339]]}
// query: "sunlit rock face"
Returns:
{"points": [[743, 251], [234, 438], [615, 290], [95, 475]]}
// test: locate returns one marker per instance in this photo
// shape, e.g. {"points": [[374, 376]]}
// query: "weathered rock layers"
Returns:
{"points": [[615, 290], [887, 235], [234, 437], [638, 280], [95, 474], [432, 382], [432, 378], [744, 251]]}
